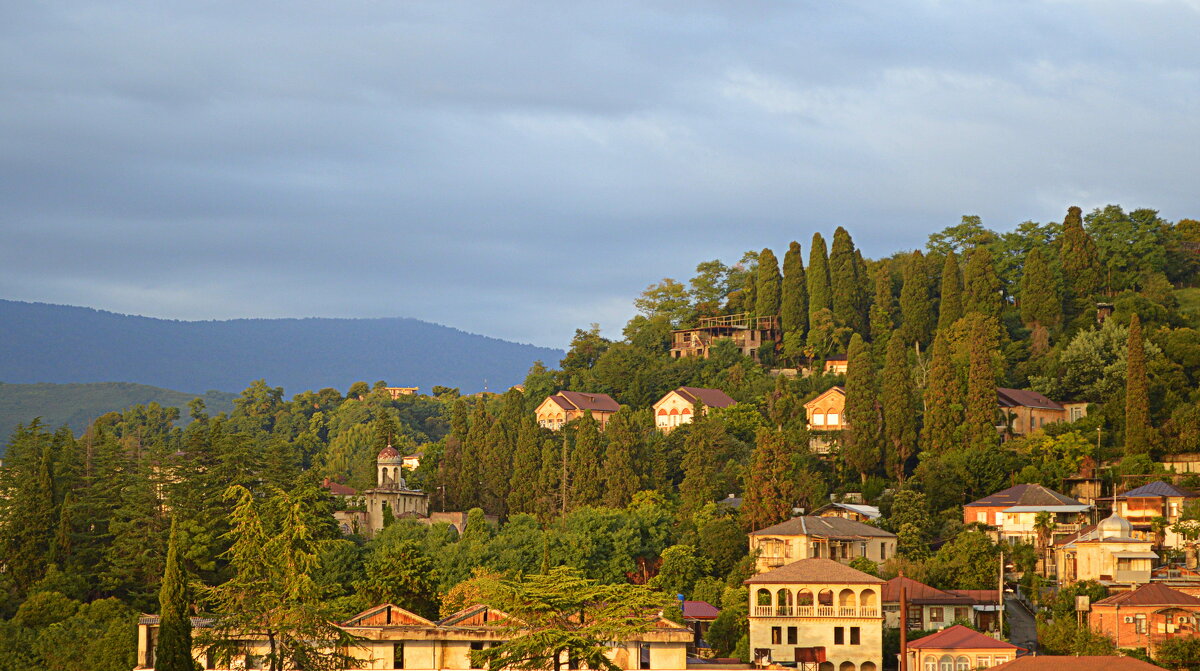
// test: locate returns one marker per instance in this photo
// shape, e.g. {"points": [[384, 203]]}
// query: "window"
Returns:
{"points": [[935, 614], [855, 638], [1139, 623], [819, 419], [839, 635], [999, 520], [1000, 659], [776, 635], [930, 664], [791, 636], [832, 419], [477, 645], [983, 662], [981, 518], [962, 664], [960, 613], [397, 655]]}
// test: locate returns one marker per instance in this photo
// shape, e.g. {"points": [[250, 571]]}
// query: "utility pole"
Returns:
{"points": [[903, 624], [1000, 597]]}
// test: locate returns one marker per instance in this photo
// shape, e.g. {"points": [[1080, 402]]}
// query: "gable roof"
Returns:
{"points": [[1025, 495], [1013, 398], [1151, 594], [920, 593], [1158, 488], [815, 570], [700, 610], [960, 637], [387, 614], [478, 615], [827, 527], [1081, 663], [832, 390], [714, 398], [575, 400]]}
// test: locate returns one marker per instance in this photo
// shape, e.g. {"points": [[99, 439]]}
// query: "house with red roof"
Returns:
{"points": [[835, 538], [1014, 511], [959, 648], [699, 616], [567, 406], [1145, 617], [677, 406], [932, 608], [1158, 499]]}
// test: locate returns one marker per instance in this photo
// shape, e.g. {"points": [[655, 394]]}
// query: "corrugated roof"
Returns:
{"points": [[581, 401], [1010, 398], [1025, 495], [1152, 594], [1081, 663], [714, 398], [960, 637], [816, 570], [1158, 488], [827, 527], [871, 512]]}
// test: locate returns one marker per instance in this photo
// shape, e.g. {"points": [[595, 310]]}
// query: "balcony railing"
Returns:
{"points": [[814, 611]]}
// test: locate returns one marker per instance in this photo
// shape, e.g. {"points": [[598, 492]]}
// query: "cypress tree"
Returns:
{"points": [[496, 470], [981, 285], [866, 289], [1080, 261], [861, 448], [526, 468], [943, 404], [818, 278], [621, 480], [701, 482], [793, 308], [587, 454], [883, 310], [550, 485], [767, 285], [844, 283], [916, 308], [174, 649], [899, 409], [1137, 396], [980, 415], [1041, 304], [771, 489], [468, 492], [950, 307]]}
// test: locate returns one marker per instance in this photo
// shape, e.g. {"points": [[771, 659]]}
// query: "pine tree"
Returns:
{"points": [[1137, 398], [950, 307], [916, 308], [749, 297], [586, 479], [899, 409], [861, 448], [174, 649], [844, 283], [883, 310], [621, 479], [767, 288], [701, 482], [981, 285], [981, 404], [1080, 262], [819, 296], [943, 400], [526, 468], [793, 309], [770, 491]]}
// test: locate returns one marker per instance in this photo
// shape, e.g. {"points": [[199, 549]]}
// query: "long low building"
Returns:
{"points": [[390, 637]]}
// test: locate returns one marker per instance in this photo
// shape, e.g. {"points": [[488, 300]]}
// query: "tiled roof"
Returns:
{"points": [[816, 570], [828, 527], [832, 390], [1158, 488], [1011, 398], [1081, 663], [1026, 495], [714, 398], [979, 596], [1152, 594], [919, 593], [337, 488], [960, 637], [700, 610], [581, 401]]}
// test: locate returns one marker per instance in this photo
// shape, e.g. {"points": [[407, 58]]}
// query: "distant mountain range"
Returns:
{"points": [[62, 344]]}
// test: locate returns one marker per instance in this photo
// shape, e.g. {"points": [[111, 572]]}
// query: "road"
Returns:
{"points": [[1021, 625]]}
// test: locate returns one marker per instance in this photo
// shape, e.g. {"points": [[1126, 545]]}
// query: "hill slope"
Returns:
{"points": [[62, 344], [77, 404]]}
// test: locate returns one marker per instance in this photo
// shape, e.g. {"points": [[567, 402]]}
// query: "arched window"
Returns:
{"points": [[662, 411], [764, 596], [962, 664], [847, 599], [867, 599], [868, 666], [818, 418], [930, 663], [825, 597], [946, 663], [846, 666], [804, 598]]}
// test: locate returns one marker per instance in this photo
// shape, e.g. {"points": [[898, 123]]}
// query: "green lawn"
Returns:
{"points": [[1189, 304]]}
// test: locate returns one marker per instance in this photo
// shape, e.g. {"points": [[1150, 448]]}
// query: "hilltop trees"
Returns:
{"points": [[770, 488], [846, 284], [768, 281], [900, 410], [793, 309], [1080, 261], [950, 307], [1041, 305], [916, 308], [174, 649], [819, 292]]}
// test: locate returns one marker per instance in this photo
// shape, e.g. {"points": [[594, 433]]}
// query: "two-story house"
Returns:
{"points": [[932, 608], [826, 419], [567, 406], [835, 538], [1014, 512], [1145, 617], [958, 647], [748, 333], [677, 406], [1107, 553], [817, 612], [1158, 499]]}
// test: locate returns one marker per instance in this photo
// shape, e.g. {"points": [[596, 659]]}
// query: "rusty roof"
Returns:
{"points": [[1156, 489]]}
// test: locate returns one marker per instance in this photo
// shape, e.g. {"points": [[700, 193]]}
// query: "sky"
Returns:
{"points": [[521, 170]]}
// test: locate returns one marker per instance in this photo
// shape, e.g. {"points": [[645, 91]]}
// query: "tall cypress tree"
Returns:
{"points": [[468, 490], [621, 480], [819, 296], [768, 284], [861, 447], [771, 490], [899, 409], [793, 308], [496, 470], [174, 649], [883, 310], [526, 468], [587, 454], [701, 482], [1080, 261], [916, 308], [981, 285], [1041, 304], [847, 290], [950, 307], [1137, 396], [981, 404], [551, 489], [943, 400]]}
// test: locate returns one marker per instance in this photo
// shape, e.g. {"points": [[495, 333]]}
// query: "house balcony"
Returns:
{"points": [[814, 611]]}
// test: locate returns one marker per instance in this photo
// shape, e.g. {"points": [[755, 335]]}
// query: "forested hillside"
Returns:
{"points": [[61, 344], [928, 334]]}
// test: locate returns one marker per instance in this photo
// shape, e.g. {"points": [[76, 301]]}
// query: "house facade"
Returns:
{"points": [[677, 406], [1013, 512], [1155, 500], [567, 406], [1107, 553], [932, 608], [959, 648], [826, 419], [748, 333], [834, 538], [819, 612], [1145, 617]]}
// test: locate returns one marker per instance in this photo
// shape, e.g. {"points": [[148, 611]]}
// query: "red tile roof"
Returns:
{"points": [[1153, 594], [1010, 398], [815, 570], [714, 398], [700, 610], [1026, 495], [919, 593], [960, 637], [1082, 663], [337, 488], [581, 401]]}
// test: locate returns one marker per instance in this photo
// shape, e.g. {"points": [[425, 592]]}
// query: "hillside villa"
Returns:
{"points": [[834, 538], [677, 406], [567, 406]]}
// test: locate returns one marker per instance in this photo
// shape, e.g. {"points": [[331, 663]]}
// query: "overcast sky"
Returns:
{"points": [[523, 169]]}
